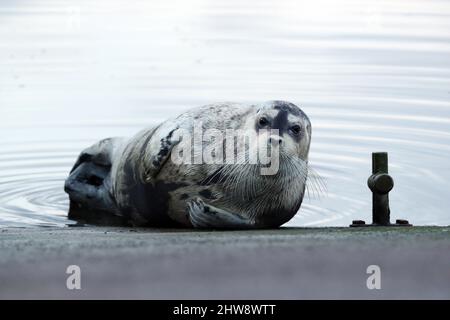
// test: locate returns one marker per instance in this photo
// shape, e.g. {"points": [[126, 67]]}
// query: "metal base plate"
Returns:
{"points": [[403, 223]]}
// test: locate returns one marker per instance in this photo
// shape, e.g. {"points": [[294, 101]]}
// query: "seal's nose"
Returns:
{"points": [[275, 140]]}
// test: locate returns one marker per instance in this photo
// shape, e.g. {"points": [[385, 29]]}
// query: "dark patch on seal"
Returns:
{"points": [[184, 196], [95, 180], [95, 216], [149, 201], [280, 217], [166, 145], [206, 194], [288, 107], [164, 150], [280, 122]]}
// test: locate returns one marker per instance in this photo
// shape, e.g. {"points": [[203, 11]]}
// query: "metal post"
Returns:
{"points": [[380, 183]]}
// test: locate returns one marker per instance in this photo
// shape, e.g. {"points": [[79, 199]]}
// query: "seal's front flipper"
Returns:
{"points": [[203, 215]]}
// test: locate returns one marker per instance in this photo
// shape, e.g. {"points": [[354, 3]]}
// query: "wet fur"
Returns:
{"points": [[134, 183]]}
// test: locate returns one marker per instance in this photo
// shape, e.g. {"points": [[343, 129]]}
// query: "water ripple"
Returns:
{"points": [[371, 75]]}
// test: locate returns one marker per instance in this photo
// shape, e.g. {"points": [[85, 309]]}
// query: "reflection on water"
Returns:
{"points": [[372, 76]]}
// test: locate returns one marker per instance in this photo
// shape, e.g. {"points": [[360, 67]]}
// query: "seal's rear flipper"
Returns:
{"points": [[88, 187]]}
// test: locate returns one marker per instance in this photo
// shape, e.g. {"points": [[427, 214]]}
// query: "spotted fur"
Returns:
{"points": [[135, 181]]}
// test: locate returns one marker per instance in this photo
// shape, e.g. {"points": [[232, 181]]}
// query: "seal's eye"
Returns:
{"points": [[295, 129], [263, 122]]}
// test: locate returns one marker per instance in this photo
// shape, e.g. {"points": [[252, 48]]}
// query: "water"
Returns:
{"points": [[372, 76]]}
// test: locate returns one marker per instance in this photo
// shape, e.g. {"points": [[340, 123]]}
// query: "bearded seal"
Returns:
{"points": [[135, 181]]}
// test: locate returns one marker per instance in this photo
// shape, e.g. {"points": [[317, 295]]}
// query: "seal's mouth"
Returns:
{"points": [[249, 181]]}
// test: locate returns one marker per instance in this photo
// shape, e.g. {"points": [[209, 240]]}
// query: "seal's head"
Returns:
{"points": [[283, 135], [291, 124], [271, 192]]}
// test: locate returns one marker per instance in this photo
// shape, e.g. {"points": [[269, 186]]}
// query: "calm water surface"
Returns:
{"points": [[372, 76]]}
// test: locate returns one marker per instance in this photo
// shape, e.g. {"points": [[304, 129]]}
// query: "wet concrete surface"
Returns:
{"points": [[288, 263]]}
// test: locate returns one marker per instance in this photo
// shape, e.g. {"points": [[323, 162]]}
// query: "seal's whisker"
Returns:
{"points": [[318, 178], [315, 184]]}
